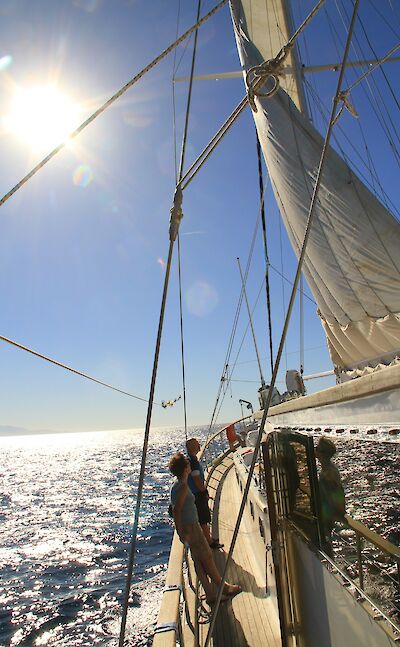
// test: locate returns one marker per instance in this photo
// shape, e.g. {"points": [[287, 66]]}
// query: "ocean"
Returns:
{"points": [[66, 510]]}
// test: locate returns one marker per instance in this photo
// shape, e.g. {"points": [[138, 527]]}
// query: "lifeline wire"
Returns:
{"points": [[286, 324], [110, 101], [73, 370]]}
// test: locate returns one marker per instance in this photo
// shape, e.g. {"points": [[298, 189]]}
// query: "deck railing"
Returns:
{"points": [[217, 447], [371, 561], [168, 629]]}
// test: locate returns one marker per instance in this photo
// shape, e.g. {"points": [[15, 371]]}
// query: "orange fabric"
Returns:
{"points": [[231, 433]]}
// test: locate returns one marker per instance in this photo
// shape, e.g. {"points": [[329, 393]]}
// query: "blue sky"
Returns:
{"points": [[82, 261]]}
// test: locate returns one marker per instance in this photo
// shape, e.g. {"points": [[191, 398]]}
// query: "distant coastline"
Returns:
{"points": [[9, 430]]}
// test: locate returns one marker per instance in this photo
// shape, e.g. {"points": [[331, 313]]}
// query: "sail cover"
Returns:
{"points": [[352, 262]]}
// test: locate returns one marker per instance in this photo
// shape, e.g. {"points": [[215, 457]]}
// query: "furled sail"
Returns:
{"points": [[352, 262]]}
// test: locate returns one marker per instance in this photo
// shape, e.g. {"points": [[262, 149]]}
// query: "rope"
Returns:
{"points": [[205, 154], [258, 75], [139, 495], [110, 101], [72, 370], [181, 165], [182, 339], [377, 104], [228, 379], [344, 95], [286, 325], [251, 324], [264, 230]]}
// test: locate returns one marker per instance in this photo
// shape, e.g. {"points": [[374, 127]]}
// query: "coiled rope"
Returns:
{"points": [[259, 75]]}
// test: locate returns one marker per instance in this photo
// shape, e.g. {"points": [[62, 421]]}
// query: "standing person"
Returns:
{"points": [[189, 531], [197, 486], [333, 505]]}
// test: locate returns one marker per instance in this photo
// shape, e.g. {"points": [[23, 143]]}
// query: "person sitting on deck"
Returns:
{"points": [[190, 533], [197, 486], [333, 505]]}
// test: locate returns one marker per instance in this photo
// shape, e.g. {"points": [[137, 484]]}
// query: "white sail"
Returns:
{"points": [[352, 262]]}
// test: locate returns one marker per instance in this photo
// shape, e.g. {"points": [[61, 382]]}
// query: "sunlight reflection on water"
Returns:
{"points": [[66, 506]]}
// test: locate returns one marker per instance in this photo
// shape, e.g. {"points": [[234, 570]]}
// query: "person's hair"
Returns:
{"points": [[326, 447], [190, 442], [177, 464]]}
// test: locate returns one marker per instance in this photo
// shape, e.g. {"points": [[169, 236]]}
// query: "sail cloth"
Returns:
{"points": [[352, 262]]}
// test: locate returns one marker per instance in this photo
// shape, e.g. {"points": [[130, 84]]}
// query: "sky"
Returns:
{"points": [[83, 245]]}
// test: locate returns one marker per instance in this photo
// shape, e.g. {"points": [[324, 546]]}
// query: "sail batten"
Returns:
{"points": [[352, 262]]}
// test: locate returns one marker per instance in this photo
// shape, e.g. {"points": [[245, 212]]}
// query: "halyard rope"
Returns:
{"points": [[286, 324]]}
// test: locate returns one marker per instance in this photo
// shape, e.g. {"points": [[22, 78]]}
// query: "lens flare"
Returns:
{"points": [[201, 298], [82, 176], [5, 62]]}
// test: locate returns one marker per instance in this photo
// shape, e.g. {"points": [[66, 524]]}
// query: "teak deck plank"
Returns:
{"points": [[244, 621]]}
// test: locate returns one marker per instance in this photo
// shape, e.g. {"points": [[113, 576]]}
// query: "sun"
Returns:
{"points": [[41, 117]]}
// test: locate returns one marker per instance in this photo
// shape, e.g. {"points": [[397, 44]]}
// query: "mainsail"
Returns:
{"points": [[352, 262]]}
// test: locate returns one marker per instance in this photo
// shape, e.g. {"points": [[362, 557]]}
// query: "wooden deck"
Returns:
{"points": [[249, 619]]}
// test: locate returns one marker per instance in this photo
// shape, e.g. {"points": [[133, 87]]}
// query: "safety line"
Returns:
{"points": [[72, 370]]}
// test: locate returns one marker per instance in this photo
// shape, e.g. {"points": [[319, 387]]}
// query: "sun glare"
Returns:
{"points": [[41, 117]]}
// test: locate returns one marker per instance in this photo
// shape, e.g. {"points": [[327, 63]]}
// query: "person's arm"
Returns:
{"points": [[195, 474], [198, 482], [177, 510]]}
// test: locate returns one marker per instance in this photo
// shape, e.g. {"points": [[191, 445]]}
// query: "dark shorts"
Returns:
{"points": [[203, 510]]}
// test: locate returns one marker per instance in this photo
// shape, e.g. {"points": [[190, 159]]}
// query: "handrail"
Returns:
{"points": [[373, 538], [168, 620], [211, 439]]}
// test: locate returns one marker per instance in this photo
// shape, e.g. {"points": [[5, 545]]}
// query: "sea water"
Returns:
{"points": [[66, 508]]}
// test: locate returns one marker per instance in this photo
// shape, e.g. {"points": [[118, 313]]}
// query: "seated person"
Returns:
{"points": [[197, 486], [190, 533]]}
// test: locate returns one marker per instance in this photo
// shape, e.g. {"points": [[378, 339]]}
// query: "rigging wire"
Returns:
{"points": [[285, 328], [232, 367], [72, 370], [251, 324], [174, 68], [264, 231], [214, 415], [382, 61], [373, 67], [180, 173], [282, 283], [375, 106], [110, 101], [378, 104], [132, 548], [373, 176], [387, 22]]}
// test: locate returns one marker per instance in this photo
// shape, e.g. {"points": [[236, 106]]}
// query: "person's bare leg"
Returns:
{"points": [[211, 570], [206, 532], [207, 586]]}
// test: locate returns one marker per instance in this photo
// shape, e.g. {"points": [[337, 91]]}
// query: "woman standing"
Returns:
{"points": [[190, 532]]}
